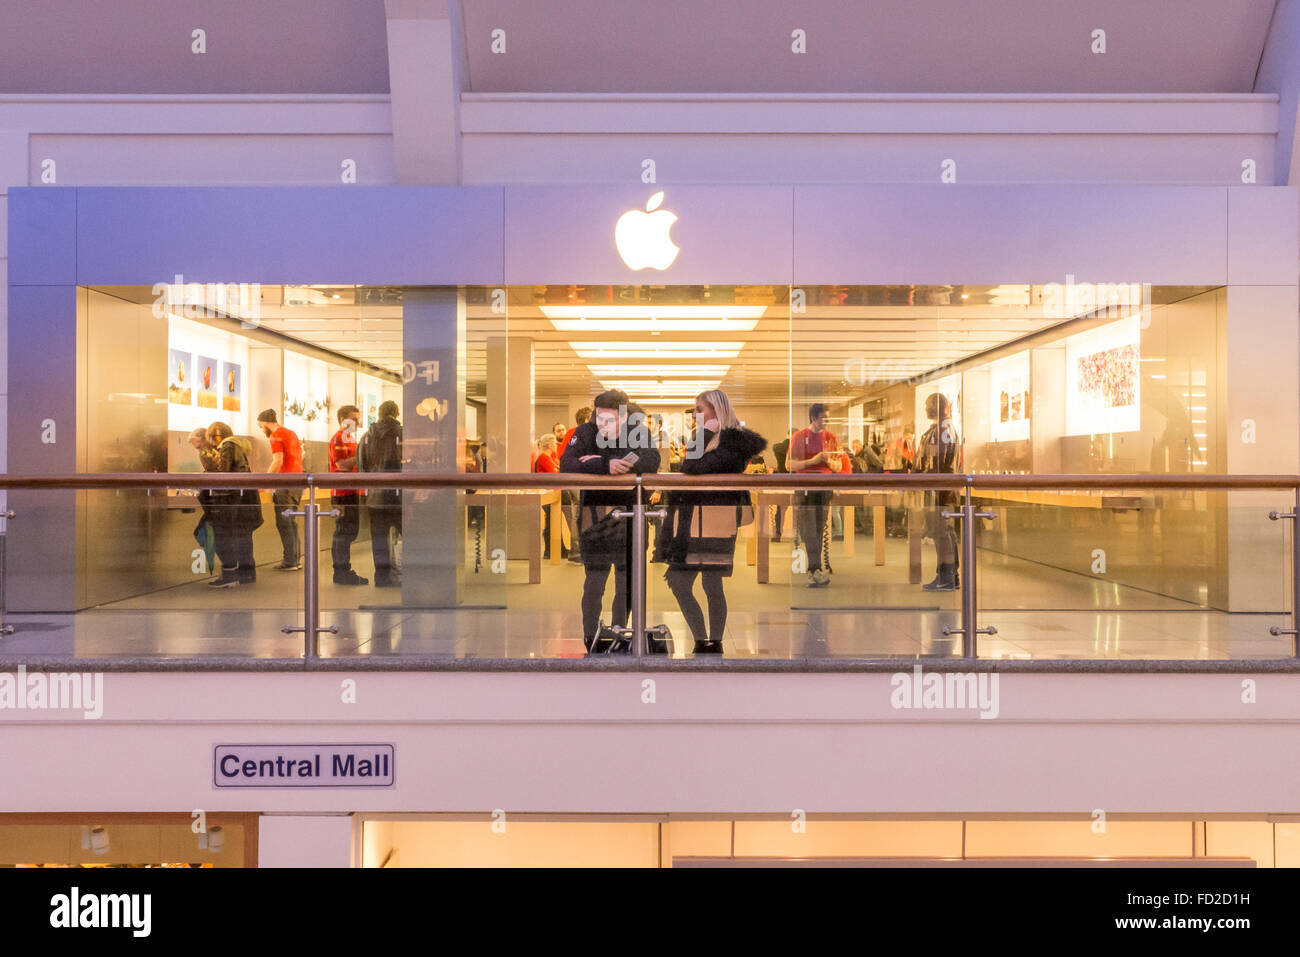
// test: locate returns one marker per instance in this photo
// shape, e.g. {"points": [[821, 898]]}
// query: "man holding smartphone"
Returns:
{"points": [[617, 440]]}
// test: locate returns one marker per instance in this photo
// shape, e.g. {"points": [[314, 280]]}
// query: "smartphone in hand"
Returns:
{"points": [[631, 458]]}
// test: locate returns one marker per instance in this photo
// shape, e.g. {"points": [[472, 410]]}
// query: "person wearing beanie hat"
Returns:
{"points": [[380, 450], [286, 456]]}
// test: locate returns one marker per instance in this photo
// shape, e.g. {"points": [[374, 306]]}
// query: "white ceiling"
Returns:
{"points": [[866, 46], [664, 46]]}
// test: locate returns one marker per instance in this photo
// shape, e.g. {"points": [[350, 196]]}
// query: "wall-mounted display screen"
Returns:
{"points": [[369, 395], [1009, 399], [1103, 379]]}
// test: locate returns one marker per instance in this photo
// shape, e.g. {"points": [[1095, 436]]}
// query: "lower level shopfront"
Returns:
{"points": [[655, 768]]}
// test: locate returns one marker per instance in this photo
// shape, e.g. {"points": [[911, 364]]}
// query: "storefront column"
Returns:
{"points": [[293, 840], [1262, 427], [433, 348], [511, 430]]}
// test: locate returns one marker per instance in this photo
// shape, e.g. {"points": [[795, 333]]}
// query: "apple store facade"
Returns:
{"points": [[1073, 329]]}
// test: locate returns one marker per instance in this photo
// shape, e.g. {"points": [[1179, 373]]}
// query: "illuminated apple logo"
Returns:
{"points": [[642, 238]]}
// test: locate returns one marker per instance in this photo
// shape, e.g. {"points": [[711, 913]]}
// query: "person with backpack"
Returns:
{"points": [[236, 513], [700, 530], [380, 450]]}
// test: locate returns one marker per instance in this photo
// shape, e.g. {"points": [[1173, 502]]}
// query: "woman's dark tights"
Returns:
{"points": [[682, 582]]}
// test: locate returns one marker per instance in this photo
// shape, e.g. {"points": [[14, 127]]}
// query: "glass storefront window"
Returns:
{"points": [[995, 379]]}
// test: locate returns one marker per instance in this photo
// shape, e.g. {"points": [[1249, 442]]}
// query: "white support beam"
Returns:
{"points": [[426, 66]]}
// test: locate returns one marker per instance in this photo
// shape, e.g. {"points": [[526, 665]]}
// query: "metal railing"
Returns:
{"points": [[967, 485]]}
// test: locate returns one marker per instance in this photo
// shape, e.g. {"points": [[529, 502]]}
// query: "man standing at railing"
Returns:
{"points": [[616, 441], [343, 458], [286, 456], [939, 451], [380, 450], [815, 451]]}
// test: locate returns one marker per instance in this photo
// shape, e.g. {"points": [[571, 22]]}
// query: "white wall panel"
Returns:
{"points": [[711, 744], [215, 160]]}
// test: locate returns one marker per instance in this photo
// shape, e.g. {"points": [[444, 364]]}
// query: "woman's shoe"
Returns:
{"points": [[708, 647]]}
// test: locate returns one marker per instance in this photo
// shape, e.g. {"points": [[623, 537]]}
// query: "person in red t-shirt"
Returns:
{"points": [[343, 458], [815, 451], [286, 456], [548, 460]]}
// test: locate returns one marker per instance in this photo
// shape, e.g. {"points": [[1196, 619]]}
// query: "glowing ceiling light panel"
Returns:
{"points": [[656, 370], [650, 349], [597, 311]]}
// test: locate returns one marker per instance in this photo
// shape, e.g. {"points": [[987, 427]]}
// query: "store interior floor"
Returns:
{"points": [[867, 611]]}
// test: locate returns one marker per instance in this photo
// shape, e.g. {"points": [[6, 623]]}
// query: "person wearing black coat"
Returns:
{"points": [[380, 450], [700, 531], [616, 441], [236, 513]]}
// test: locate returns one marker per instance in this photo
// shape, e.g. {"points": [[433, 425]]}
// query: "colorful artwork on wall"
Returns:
{"points": [[207, 377], [1109, 379], [232, 386], [180, 377], [1103, 390]]}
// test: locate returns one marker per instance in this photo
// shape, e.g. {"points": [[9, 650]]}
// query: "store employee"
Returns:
{"points": [[286, 456]]}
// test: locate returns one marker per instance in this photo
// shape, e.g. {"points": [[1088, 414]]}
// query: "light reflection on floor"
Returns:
{"points": [[868, 611]]}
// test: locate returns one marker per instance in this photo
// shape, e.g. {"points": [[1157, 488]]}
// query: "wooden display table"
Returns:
{"points": [[758, 551]]}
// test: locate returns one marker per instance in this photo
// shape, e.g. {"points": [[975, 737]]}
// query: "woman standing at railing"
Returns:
{"points": [[700, 530]]}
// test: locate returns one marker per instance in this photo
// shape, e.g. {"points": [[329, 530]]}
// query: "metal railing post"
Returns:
{"points": [[311, 627], [969, 630], [4, 571], [968, 607], [1294, 630], [638, 572], [310, 584]]}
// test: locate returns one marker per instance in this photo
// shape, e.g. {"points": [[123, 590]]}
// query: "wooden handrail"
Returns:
{"points": [[657, 480]]}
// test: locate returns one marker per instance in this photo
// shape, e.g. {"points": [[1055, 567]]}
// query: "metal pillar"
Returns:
{"points": [[969, 629], [311, 627], [1294, 630]]}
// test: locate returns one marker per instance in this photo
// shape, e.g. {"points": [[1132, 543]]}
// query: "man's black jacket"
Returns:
{"points": [[584, 442]]}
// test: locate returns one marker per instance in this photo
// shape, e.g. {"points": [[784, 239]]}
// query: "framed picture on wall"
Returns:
{"points": [[180, 377], [207, 379], [232, 386]]}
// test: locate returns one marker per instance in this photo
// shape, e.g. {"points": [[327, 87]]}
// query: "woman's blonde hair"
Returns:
{"points": [[721, 405], [546, 439]]}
